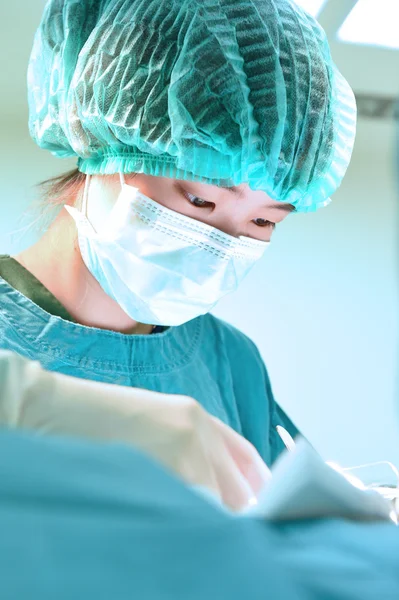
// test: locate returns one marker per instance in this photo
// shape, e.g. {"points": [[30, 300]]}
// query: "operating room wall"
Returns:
{"points": [[321, 305]]}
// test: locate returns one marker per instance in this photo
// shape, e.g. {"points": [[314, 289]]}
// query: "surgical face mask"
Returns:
{"points": [[161, 267]]}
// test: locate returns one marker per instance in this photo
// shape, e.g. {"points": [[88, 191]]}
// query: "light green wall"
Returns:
{"points": [[323, 305]]}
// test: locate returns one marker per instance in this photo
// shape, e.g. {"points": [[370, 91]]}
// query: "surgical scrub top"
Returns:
{"points": [[206, 358]]}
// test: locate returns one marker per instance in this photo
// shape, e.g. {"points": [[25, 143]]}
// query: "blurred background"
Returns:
{"points": [[322, 305]]}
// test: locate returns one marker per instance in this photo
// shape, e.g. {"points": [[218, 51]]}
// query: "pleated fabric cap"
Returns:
{"points": [[218, 91]]}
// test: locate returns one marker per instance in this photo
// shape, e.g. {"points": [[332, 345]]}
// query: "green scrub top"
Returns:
{"points": [[206, 358]]}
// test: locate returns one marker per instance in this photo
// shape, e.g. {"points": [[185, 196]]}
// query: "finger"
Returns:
{"points": [[196, 467], [235, 490], [246, 457]]}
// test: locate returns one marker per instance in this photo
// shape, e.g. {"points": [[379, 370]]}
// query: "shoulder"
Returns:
{"points": [[235, 343], [259, 413]]}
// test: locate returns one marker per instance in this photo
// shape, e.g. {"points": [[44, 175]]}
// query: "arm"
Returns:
{"points": [[259, 412], [173, 429], [278, 417]]}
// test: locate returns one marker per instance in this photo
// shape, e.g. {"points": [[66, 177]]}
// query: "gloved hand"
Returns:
{"points": [[173, 429]]}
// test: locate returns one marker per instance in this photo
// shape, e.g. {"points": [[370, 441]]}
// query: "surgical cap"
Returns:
{"points": [[218, 91]]}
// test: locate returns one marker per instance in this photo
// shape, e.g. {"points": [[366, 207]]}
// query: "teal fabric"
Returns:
{"points": [[219, 91], [104, 522], [90, 521], [22, 280], [205, 358]]}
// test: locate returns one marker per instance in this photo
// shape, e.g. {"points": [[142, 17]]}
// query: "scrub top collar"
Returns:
{"points": [[77, 345]]}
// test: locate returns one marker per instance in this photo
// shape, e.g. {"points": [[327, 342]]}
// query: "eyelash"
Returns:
{"points": [[189, 197]]}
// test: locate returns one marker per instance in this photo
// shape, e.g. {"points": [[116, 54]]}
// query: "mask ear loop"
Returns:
{"points": [[86, 195]]}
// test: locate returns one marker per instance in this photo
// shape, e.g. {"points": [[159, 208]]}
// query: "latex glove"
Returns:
{"points": [[173, 429]]}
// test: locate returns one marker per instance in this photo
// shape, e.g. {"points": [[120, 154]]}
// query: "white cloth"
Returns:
{"points": [[303, 486]]}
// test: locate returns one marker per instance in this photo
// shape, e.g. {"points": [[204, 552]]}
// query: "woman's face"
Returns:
{"points": [[235, 211]]}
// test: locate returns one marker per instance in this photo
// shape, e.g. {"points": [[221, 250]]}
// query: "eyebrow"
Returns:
{"points": [[282, 206], [232, 189], [285, 207]]}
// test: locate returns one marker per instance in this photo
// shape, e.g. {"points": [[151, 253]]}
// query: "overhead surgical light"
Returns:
{"points": [[372, 22], [313, 7]]}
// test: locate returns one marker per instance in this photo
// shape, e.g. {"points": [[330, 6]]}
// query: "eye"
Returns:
{"points": [[195, 201], [264, 223]]}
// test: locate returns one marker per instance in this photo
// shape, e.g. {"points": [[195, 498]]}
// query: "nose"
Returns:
{"points": [[231, 219]]}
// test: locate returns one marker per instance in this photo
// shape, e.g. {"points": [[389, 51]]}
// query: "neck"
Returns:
{"points": [[55, 260]]}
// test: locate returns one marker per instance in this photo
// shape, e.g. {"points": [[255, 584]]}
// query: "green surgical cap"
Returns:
{"points": [[218, 91]]}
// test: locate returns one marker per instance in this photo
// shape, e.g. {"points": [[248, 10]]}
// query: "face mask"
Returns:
{"points": [[161, 267]]}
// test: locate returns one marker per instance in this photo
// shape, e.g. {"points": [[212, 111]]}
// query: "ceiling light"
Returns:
{"points": [[372, 22], [313, 7]]}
